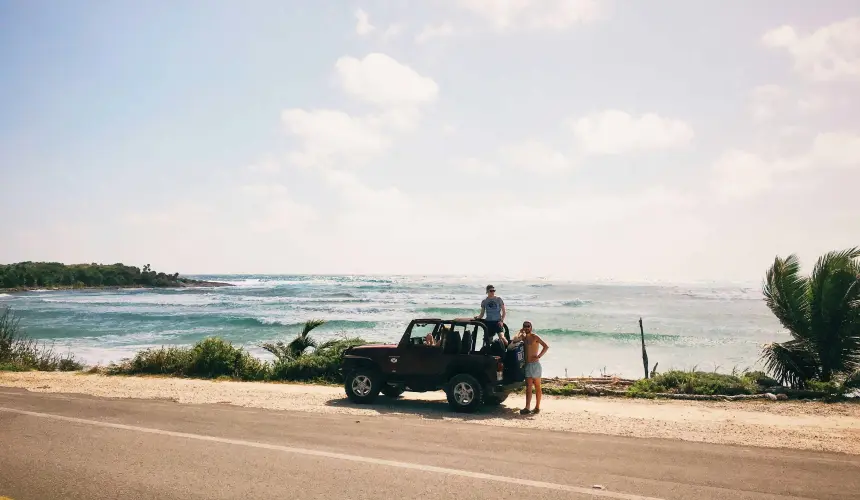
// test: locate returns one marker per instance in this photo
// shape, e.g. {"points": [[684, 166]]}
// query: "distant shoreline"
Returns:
{"points": [[56, 288]]}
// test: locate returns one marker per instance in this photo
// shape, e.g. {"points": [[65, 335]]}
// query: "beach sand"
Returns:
{"points": [[802, 425]]}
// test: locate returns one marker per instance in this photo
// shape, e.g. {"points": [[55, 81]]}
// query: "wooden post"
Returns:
{"points": [[644, 352]]}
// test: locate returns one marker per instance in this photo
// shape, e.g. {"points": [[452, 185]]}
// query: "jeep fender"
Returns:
{"points": [[454, 371], [352, 361]]}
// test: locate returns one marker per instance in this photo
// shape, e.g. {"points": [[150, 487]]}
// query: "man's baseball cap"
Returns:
{"points": [[491, 288]]}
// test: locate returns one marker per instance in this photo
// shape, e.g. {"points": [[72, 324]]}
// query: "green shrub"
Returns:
{"points": [[155, 361], [69, 364], [323, 365], [251, 368], [13, 367], [211, 357], [560, 390], [214, 357], [761, 379], [680, 382], [309, 368], [21, 353], [831, 388]]}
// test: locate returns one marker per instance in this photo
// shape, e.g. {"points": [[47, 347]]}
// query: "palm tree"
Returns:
{"points": [[821, 313], [295, 348]]}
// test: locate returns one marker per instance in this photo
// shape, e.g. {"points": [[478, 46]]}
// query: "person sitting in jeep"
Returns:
{"points": [[437, 341]]}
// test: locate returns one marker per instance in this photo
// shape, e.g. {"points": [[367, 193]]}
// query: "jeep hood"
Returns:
{"points": [[370, 350]]}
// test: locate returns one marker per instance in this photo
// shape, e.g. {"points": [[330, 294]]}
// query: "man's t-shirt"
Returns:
{"points": [[493, 308]]}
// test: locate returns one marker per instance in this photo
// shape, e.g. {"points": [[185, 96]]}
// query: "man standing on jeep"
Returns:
{"points": [[494, 309]]}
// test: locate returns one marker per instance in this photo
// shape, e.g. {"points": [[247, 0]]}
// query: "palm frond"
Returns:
{"points": [[852, 382], [337, 346], [790, 363], [834, 288], [850, 328], [278, 349], [299, 345], [785, 293], [295, 348], [310, 325]]}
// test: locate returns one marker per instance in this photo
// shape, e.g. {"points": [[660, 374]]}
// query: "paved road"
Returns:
{"points": [[77, 447]]}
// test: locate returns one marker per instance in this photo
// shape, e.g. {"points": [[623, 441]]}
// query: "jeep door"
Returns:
{"points": [[418, 362]]}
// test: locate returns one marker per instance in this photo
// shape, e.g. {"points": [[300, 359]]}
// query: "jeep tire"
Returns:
{"points": [[392, 392], [362, 385], [465, 393]]}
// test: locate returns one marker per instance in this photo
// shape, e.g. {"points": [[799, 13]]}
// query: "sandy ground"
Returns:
{"points": [[785, 424]]}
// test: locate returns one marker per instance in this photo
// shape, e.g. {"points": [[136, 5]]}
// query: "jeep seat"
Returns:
{"points": [[466, 346], [452, 342]]}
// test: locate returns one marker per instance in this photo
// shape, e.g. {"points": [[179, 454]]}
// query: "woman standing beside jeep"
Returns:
{"points": [[533, 367]]}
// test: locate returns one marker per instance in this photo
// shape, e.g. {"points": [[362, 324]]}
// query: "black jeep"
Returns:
{"points": [[436, 354]]}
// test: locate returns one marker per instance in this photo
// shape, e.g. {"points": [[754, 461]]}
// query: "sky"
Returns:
{"points": [[569, 139]]}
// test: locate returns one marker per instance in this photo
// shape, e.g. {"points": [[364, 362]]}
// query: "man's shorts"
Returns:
{"points": [[492, 328], [533, 369]]}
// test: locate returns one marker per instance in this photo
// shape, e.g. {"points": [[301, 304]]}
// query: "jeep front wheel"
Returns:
{"points": [[362, 386], [464, 393]]}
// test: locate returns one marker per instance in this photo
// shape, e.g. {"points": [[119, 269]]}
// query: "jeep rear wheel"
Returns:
{"points": [[362, 386], [392, 391], [465, 393]]}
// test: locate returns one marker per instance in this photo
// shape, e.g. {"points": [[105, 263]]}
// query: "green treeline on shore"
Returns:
{"points": [[23, 275]]}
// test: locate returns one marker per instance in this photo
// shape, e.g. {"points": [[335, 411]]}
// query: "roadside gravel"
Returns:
{"points": [[786, 424]]}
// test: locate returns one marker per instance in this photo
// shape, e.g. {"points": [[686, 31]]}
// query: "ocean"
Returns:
{"points": [[591, 328]]}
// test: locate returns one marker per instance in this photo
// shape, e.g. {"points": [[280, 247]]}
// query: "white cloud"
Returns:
{"points": [[274, 210], [829, 53], [356, 192], [600, 208], [282, 215], [431, 31], [514, 15], [395, 119], [264, 190], [813, 104], [617, 132], [381, 80], [738, 174], [177, 215], [329, 136], [393, 31], [333, 137], [475, 166], [267, 166], [767, 100], [543, 226], [362, 25], [773, 101], [834, 149], [535, 156]]}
